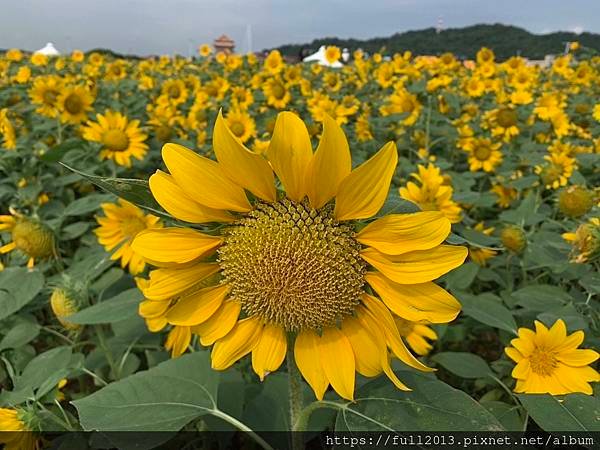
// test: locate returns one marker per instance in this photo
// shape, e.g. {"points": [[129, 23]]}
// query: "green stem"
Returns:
{"points": [[304, 417], [107, 352], [295, 396], [240, 426]]}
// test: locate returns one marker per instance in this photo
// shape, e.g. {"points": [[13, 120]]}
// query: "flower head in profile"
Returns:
{"points": [[120, 137], [121, 223], [297, 266], [29, 236], [15, 432], [549, 361]]}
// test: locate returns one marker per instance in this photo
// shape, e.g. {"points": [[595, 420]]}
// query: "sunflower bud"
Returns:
{"points": [[513, 238], [64, 303], [33, 238], [575, 201]]}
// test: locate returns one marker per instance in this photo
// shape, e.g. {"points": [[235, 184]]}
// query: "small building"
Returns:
{"points": [[224, 44], [48, 50]]}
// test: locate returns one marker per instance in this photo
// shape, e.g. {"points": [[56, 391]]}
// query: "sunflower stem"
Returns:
{"points": [[295, 396]]}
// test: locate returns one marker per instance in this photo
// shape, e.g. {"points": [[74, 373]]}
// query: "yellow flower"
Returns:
{"points": [[64, 304], [15, 434], [241, 124], [30, 236], [39, 59], [74, 102], [596, 113], [205, 50], [506, 195], [557, 171], [276, 92], [585, 241], [121, 138], [174, 91], [45, 92], [290, 264], [575, 201], [416, 334], [7, 131], [274, 62], [121, 224], [485, 56], [483, 154], [433, 194], [14, 54], [549, 361], [503, 122], [513, 238], [23, 75], [332, 54], [77, 55], [481, 255]]}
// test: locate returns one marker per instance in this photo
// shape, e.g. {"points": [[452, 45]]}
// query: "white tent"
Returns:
{"points": [[48, 50], [320, 58]]}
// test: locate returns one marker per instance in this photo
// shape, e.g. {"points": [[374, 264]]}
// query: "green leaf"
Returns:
{"points": [[576, 412], [120, 307], [507, 415], [462, 277], [465, 365], [19, 335], [164, 398], [541, 297], [58, 151], [394, 204], [430, 406], [85, 205], [572, 318], [488, 308], [132, 190], [18, 286]]}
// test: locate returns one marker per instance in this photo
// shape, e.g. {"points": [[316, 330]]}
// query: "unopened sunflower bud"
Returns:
{"points": [[33, 238], [64, 304], [513, 238], [575, 201]]}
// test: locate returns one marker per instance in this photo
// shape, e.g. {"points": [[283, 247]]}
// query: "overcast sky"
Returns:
{"points": [[168, 26]]}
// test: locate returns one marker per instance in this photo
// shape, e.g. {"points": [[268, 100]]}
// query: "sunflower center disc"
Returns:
{"points": [[542, 362], [293, 265], [116, 140]]}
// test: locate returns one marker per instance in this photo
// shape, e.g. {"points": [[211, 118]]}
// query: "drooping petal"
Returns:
{"points": [[330, 164], [176, 202], [337, 359], [366, 351], [178, 340], [419, 266], [306, 355], [167, 283], [396, 234], [240, 341], [219, 324], [244, 167], [362, 193], [290, 152], [269, 353], [203, 179], [415, 302], [174, 245], [198, 307]]}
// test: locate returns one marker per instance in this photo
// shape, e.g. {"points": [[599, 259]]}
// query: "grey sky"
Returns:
{"points": [[168, 26]]}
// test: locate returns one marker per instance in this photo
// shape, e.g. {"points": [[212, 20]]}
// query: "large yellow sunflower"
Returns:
{"points": [[121, 138], [44, 93], [293, 266]]}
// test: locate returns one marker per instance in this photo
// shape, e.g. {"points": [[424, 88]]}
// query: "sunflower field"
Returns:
{"points": [[245, 245]]}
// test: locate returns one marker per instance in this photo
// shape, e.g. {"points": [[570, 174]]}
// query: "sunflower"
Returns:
{"points": [[241, 124], [174, 91], [557, 171], [31, 237], [7, 131], [332, 54], [291, 267], [74, 102], [274, 62], [585, 241], [480, 255], [503, 122], [549, 361], [433, 194], [44, 93], [483, 154], [121, 138], [276, 92], [121, 223], [15, 433], [205, 50], [416, 334]]}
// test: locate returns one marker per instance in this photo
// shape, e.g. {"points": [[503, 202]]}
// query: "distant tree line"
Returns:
{"points": [[504, 40]]}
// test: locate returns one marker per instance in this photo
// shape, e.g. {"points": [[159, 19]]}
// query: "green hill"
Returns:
{"points": [[506, 41]]}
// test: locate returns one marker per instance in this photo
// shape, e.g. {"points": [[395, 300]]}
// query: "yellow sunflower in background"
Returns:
{"points": [[480, 255], [44, 93], [484, 154], [241, 124], [417, 335], [15, 434], [549, 361], [276, 92], [433, 194], [74, 103], [557, 170], [205, 50], [121, 223], [121, 138], [290, 266], [332, 54]]}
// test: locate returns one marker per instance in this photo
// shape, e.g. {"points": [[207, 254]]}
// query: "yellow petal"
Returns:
{"points": [[513, 354], [167, 283], [379, 319], [203, 179], [402, 233], [174, 245], [236, 344], [337, 359], [269, 353], [387, 368], [198, 307], [246, 168], [415, 302], [362, 193], [150, 309], [306, 356], [578, 358], [290, 152], [219, 324], [330, 164], [418, 266], [366, 350], [178, 340], [176, 202]]}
